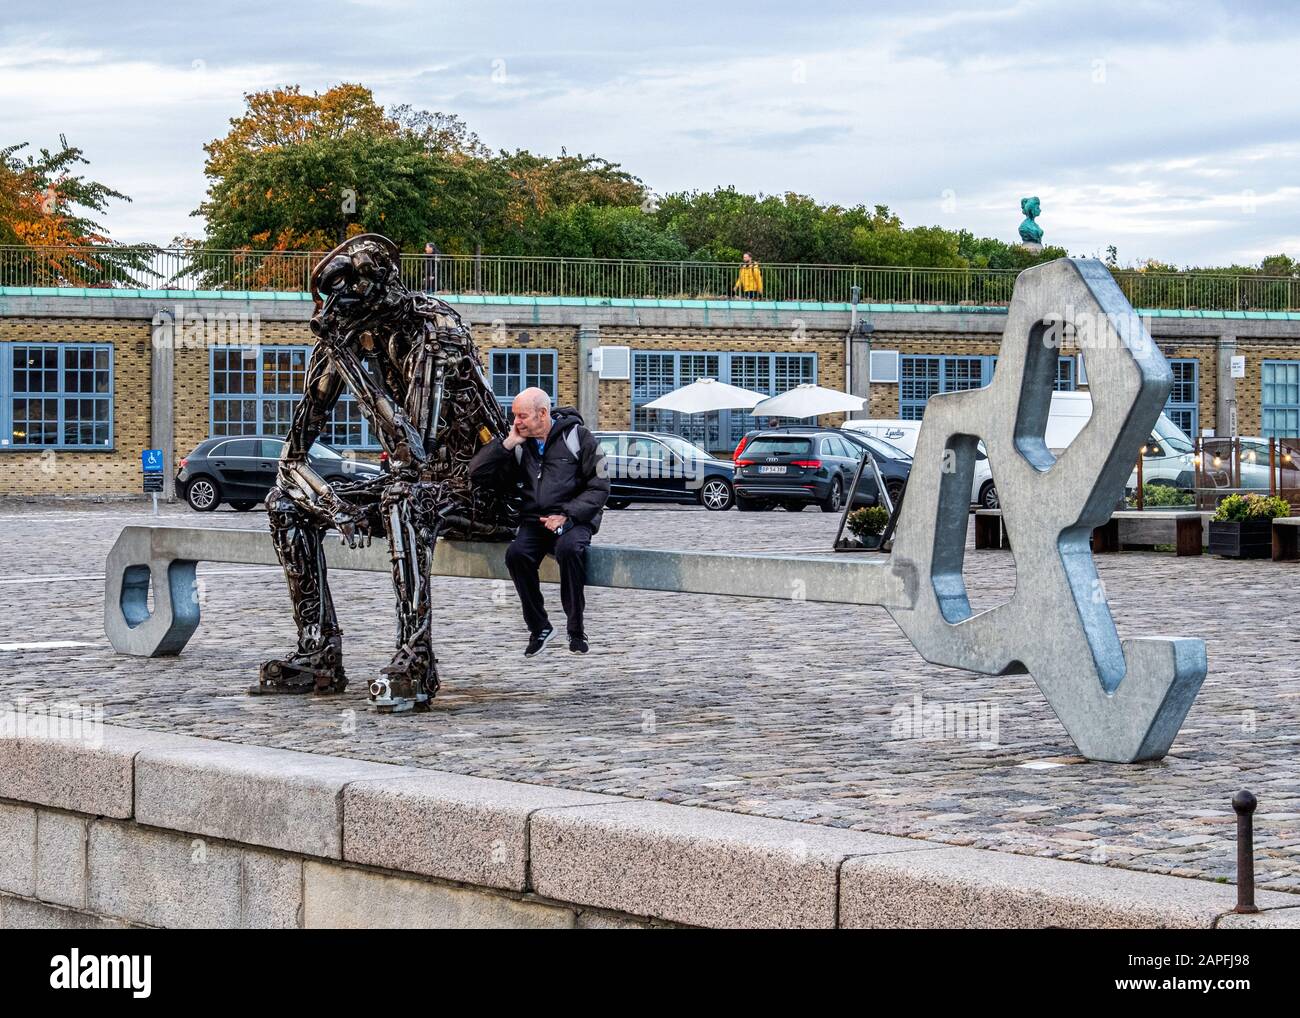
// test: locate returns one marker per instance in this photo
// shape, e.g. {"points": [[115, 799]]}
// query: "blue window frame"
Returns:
{"points": [[1183, 405], [513, 370], [1064, 374], [655, 373], [923, 376], [56, 396], [254, 390], [1280, 399]]}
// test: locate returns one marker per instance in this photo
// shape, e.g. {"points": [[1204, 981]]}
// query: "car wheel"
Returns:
{"points": [[716, 495], [834, 501], [895, 489], [243, 505], [752, 505], [618, 503], [989, 496], [203, 494]]}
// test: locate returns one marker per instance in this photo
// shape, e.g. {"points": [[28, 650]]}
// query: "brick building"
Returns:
{"points": [[90, 378]]}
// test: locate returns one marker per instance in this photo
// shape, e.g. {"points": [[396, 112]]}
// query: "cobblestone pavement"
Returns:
{"points": [[780, 709]]}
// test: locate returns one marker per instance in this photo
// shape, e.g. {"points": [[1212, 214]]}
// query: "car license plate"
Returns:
{"points": [[771, 470]]}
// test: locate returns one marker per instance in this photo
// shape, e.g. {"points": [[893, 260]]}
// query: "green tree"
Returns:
{"points": [[45, 203]]}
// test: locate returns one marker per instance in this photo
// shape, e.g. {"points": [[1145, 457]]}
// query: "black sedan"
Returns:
{"points": [[799, 466], [644, 467], [241, 471]]}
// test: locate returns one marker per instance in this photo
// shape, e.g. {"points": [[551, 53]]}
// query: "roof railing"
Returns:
{"points": [[190, 269]]}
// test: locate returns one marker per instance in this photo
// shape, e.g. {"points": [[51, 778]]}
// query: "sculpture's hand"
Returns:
{"points": [[351, 522], [349, 519]]}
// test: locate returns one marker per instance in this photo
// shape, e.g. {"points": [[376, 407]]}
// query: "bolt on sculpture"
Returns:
{"points": [[410, 364]]}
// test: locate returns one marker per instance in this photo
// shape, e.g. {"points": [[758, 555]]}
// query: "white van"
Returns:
{"points": [[903, 434], [1168, 458]]}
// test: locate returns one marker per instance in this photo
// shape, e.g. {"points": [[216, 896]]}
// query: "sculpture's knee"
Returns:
{"points": [[281, 510]]}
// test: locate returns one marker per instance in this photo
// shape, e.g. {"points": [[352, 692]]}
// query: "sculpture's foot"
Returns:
{"points": [[318, 672], [408, 684]]}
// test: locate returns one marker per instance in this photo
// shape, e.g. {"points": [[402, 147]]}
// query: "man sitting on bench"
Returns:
{"points": [[559, 472]]}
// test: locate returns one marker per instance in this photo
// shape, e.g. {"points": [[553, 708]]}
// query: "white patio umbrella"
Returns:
{"points": [[808, 400], [705, 395]]}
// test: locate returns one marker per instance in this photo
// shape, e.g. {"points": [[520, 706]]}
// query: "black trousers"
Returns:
{"points": [[534, 542]]}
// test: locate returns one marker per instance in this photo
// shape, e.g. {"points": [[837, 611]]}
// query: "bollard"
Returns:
{"points": [[1244, 803]]}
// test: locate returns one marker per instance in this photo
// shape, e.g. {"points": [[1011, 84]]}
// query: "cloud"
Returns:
{"points": [[1147, 125]]}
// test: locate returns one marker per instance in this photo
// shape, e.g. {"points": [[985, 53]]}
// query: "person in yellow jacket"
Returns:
{"points": [[750, 280]]}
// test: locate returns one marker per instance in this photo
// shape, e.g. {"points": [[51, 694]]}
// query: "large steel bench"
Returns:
{"points": [[167, 557], [1120, 699]]}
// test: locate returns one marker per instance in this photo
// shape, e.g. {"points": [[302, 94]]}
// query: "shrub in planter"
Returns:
{"points": [[1242, 526], [1161, 496], [868, 524]]}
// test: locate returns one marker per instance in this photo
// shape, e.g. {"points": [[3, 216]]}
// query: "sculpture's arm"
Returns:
{"points": [[296, 478]]}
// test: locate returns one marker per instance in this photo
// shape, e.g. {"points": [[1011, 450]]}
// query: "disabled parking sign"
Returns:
{"points": [[151, 463]]}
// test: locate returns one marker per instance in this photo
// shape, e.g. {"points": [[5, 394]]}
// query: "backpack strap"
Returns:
{"points": [[574, 443]]}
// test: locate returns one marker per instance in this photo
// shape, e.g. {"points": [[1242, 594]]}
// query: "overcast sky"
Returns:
{"points": [[1171, 130]]}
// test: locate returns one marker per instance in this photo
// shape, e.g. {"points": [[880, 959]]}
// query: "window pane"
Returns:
{"points": [[516, 370], [56, 395]]}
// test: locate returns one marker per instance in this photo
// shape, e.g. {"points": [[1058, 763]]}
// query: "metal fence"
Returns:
{"points": [[151, 267]]}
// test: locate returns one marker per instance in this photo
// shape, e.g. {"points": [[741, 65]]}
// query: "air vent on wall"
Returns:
{"points": [[884, 365], [612, 362]]}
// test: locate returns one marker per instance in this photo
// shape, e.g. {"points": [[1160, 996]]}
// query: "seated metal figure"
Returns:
{"points": [[410, 363]]}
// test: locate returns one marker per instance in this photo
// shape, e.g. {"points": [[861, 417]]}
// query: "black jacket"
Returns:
{"points": [[575, 486]]}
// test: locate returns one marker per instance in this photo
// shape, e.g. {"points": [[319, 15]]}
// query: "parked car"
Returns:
{"points": [[903, 434], [240, 471], [1168, 458], [645, 467], [797, 466]]}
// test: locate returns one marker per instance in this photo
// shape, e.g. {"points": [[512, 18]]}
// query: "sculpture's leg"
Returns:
{"points": [[410, 681], [317, 665]]}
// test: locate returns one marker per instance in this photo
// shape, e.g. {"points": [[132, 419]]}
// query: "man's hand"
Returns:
{"points": [[514, 437], [554, 522]]}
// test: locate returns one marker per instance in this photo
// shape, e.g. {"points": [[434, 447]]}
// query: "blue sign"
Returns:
{"points": [[151, 461]]}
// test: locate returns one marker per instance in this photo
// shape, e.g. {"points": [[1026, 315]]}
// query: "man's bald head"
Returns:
{"points": [[532, 410]]}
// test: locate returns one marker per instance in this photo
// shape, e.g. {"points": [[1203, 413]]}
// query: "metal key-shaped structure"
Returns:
{"points": [[1119, 700]]}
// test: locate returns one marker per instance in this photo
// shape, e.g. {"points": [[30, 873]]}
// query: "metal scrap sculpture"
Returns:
{"points": [[410, 364]]}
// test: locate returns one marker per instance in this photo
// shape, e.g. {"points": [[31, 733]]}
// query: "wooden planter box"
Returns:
{"points": [[1241, 538]]}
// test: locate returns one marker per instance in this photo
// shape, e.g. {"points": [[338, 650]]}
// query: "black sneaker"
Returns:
{"points": [[537, 641], [578, 644]]}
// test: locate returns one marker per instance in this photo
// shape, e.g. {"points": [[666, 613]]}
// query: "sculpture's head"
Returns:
{"points": [[357, 273], [1030, 207]]}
